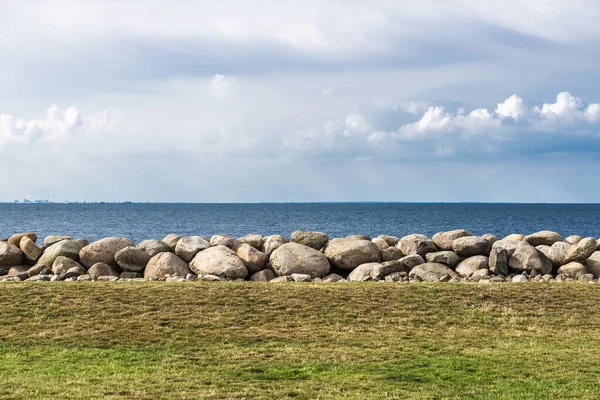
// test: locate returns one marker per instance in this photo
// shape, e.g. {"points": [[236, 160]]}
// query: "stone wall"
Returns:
{"points": [[306, 256]]}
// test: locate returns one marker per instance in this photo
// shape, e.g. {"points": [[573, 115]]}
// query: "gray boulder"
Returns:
{"points": [[132, 259], [593, 264], [509, 245], [262, 276], [52, 239], [448, 258], [10, 255], [103, 251], [187, 247], [224, 240], [102, 269], [391, 253], [333, 278], [555, 253], [514, 236], [349, 253], [582, 250], [405, 264], [295, 258], [432, 272], [31, 251], [301, 278], [443, 240], [573, 239], [164, 264], [39, 269], [498, 261], [547, 238], [154, 247], [363, 272], [572, 270], [171, 240], [219, 260], [380, 243], [254, 259], [468, 266], [468, 246], [73, 272], [66, 248], [253, 240], [390, 240], [528, 258], [272, 243], [491, 239], [416, 244], [63, 264], [316, 240], [358, 237]]}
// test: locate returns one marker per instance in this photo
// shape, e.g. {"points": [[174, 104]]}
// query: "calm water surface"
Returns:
{"points": [[148, 221]]}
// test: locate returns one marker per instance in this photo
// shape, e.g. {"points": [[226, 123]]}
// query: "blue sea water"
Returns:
{"points": [[154, 221]]}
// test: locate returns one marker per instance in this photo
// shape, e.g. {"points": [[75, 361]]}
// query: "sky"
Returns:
{"points": [[293, 101]]}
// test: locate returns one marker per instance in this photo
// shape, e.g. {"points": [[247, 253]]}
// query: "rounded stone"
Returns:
{"points": [[66, 247], [443, 240], [102, 269], [154, 247], [296, 258], [166, 264], [349, 253], [254, 259], [316, 240], [221, 261], [103, 250], [187, 247], [132, 259], [470, 246]]}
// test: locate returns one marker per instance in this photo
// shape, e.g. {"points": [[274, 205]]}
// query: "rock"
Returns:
{"points": [[254, 259], [191, 277], [468, 266], [154, 247], [301, 278], [448, 258], [390, 240], [83, 242], [555, 253], [164, 264], [18, 269], [391, 253], [349, 253], [572, 270], [520, 278], [432, 272], [358, 237], [543, 237], [295, 258], [528, 258], [84, 278], [253, 240], [363, 271], [396, 277], [52, 239], [514, 236], [272, 243], [416, 244], [39, 269], [38, 278], [593, 264], [10, 255], [262, 276], [130, 275], [66, 248], [171, 240], [405, 264], [132, 259], [212, 278], [187, 247], [31, 251], [224, 240], [63, 264], [380, 243], [509, 245], [73, 272], [490, 239], [16, 239], [9, 278], [282, 279], [109, 278], [221, 261], [316, 240], [102, 269], [480, 273], [468, 246], [573, 239], [443, 240], [586, 278], [103, 251], [498, 261], [582, 250], [333, 278]]}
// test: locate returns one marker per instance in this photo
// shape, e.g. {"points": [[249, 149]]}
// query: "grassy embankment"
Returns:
{"points": [[301, 341]]}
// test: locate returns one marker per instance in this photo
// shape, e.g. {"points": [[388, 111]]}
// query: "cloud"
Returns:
{"points": [[513, 107]]}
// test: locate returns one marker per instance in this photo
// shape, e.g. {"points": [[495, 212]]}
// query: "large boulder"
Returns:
{"points": [[349, 253], [573, 239], [63, 264], [103, 250], [102, 269], [448, 258], [363, 272], [405, 264], [391, 253], [572, 270], [52, 239], [416, 244], [509, 245], [262, 276], [593, 264], [390, 240], [316, 240], [16, 239], [10, 255], [187, 247], [31, 251], [498, 261], [468, 246], [271, 243], [443, 240], [295, 258], [490, 239], [171, 240], [514, 236], [432, 272], [380, 243], [221, 261], [468, 266], [132, 259], [66, 247], [154, 247], [224, 240], [253, 240], [528, 258], [555, 253], [582, 250], [166, 263], [543, 237], [254, 259]]}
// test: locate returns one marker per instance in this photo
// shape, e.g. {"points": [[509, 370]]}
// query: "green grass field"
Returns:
{"points": [[160, 340]]}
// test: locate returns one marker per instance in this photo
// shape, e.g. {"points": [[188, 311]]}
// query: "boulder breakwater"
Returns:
{"points": [[306, 256]]}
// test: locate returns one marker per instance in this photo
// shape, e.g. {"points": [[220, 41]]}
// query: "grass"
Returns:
{"points": [[161, 340]]}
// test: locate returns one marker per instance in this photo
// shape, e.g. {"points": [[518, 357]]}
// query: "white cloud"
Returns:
{"points": [[221, 85], [513, 107]]}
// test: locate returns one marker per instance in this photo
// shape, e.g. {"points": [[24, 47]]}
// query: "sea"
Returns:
{"points": [[140, 221]]}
